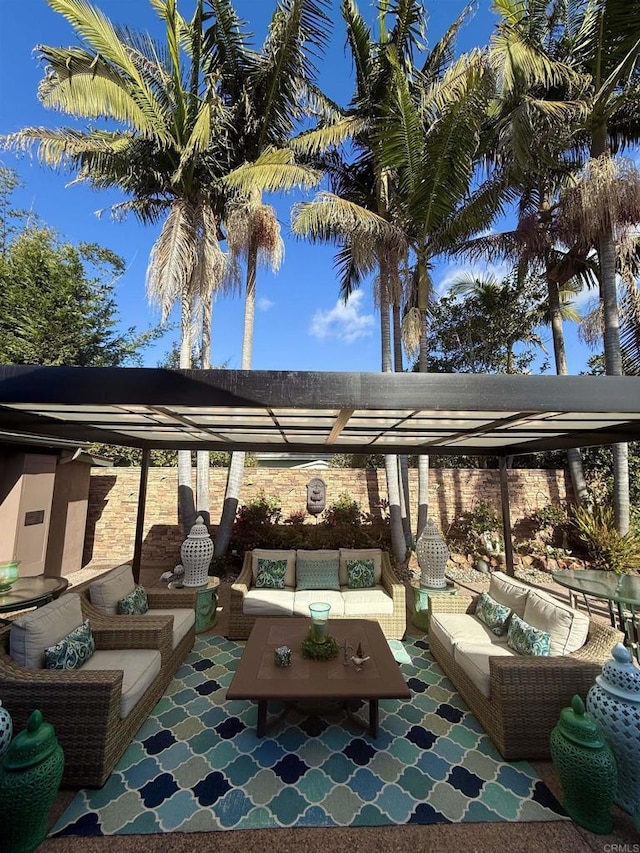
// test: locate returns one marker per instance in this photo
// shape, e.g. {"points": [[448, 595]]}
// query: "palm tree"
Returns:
{"points": [[264, 92], [176, 153], [603, 40]]}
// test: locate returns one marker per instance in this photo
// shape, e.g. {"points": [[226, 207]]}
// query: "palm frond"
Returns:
{"points": [[327, 136], [332, 219], [173, 258], [98, 31], [359, 40], [274, 171]]}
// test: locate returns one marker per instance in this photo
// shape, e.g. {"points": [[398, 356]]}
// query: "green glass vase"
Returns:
{"points": [[30, 775], [586, 767]]}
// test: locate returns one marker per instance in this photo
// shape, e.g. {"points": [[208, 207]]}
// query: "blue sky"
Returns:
{"points": [[300, 322]]}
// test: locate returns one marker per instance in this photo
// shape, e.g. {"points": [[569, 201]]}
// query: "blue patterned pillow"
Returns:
{"points": [[134, 604], [271, 573], [494, 615], [360, 574], [527, 640], [318, 574], [71, 651]]}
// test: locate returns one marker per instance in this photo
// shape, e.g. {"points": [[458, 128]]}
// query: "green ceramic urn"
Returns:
{"points": [[586, 767], [30, 775]]}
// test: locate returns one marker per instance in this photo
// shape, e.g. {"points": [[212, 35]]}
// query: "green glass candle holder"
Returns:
{"points": [[9, 573], [318, 631]]}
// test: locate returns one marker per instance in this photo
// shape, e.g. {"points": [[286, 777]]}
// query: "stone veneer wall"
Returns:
{"points": [[113, 499]]}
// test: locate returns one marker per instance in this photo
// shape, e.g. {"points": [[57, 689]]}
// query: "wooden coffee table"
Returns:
{"points": [[308, 681]]}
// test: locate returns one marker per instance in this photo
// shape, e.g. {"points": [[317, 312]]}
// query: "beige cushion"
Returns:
{"points": [[106, 592], [33, 633], [367, 602], [265, 554], [140, 668], [374, 554], [453, 628], [509, 591], [473, 658], [183, 619], [268, 602], [568, 627], [304, 597]]}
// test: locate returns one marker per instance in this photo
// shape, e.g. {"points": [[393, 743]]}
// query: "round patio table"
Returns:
{"points": [[621, 592], [31, 591]]}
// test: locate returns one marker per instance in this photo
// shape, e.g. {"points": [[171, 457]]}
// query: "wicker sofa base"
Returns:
{"points": [[393, 624], [528, 693], [84, 707]]}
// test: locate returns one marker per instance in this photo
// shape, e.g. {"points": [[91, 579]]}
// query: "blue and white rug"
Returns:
{"points": [[196, 765]]}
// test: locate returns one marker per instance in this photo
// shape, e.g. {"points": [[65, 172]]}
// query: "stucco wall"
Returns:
{"points": [[113, 497]]}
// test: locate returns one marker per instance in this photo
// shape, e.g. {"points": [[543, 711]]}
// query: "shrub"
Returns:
{"points": [[607, 548], [344, 510], [298, 516], [478, 530]]}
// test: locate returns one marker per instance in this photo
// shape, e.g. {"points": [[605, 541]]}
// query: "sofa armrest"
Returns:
{"points": [[452, 603], [511, 678], [393, 586], [244, 580], [172, 599], [132, 632]]}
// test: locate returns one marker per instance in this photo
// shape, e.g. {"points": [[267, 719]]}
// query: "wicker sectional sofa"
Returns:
{"points": [[517, 698], [385, 601]]}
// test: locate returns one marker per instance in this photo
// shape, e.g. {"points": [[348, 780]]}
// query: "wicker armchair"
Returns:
{"points": [[158, 599], [526, 693], [84, 707]]}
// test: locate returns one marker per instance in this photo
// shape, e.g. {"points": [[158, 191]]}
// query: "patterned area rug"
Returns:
{"points": [[196, 764]]}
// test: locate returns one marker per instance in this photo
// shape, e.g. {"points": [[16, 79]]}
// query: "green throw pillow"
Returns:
{"points": [[527, 640], [494, 615], [134, 604], [360, 574], [318, 574], [271, 574], [71, 651]]}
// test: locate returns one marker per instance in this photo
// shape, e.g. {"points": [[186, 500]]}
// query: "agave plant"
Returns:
{"points": [[607, 548]]}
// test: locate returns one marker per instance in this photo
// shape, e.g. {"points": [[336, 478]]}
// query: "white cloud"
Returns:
{"points": [[263, 304], [343, 322]]}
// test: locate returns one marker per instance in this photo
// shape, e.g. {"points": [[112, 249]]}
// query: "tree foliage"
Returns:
{"points": [[57, 303]]}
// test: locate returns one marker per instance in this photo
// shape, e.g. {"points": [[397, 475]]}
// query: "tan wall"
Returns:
{"points": [[113, 497], [68, 519]]}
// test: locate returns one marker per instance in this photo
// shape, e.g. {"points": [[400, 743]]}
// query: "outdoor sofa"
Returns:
{"points": [[516, 697], [318, 575], [95, 709]]}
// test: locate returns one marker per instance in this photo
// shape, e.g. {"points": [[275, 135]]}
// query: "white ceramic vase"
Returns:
{"points": [[196, 553], [432, 554], [614, 702], [6, 731]]}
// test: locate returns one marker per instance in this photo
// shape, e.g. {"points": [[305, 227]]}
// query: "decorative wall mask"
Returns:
{"points": [[316, 495]]}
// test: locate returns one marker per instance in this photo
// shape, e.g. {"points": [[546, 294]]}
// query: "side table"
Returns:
{"points": [[421, 596], [206, 603]]}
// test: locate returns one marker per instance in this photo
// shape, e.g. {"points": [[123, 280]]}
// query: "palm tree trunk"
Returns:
{"points": [[423, 458], [574, 457], [612, 349], [186, 503], [203, 456], [403, 462], [236, 465], [613, 363], [398, 546]]}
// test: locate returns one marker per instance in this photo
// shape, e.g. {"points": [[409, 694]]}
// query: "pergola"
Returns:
{"points": [[278, 411]]}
